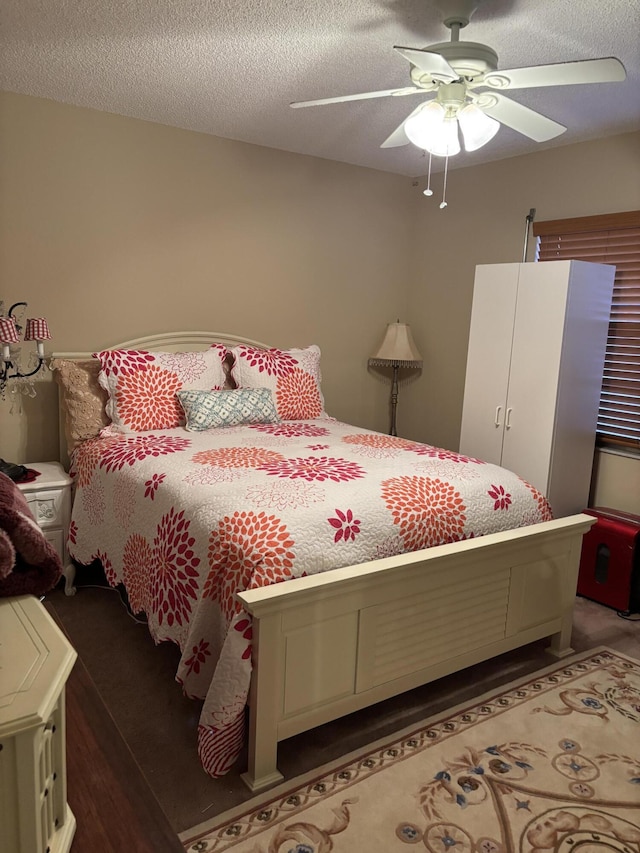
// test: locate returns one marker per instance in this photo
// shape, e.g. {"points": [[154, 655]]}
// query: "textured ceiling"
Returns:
{"points": [[231, 67]]}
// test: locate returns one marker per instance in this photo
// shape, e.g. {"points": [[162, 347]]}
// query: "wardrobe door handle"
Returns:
{"points": [[497, 417], [507, 422]]}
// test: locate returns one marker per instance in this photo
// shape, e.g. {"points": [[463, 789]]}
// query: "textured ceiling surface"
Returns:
{"points": [[232, 67]]}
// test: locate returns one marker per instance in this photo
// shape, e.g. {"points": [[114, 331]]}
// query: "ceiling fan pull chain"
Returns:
{"points": [[443, 203], [428, 190]]}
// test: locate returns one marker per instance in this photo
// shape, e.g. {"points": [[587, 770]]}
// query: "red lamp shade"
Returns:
{"points": [[8, 331], [37, 330]]}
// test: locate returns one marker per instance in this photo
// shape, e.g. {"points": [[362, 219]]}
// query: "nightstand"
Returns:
{"points": [[49, 499], [35, 661]]}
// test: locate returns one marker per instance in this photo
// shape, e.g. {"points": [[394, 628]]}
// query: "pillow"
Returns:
{"points": [[83, 400], [207, 409], [142, 386], [293, 376]]}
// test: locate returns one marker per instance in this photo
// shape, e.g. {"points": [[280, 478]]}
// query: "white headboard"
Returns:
{"points": [[172, 342], [164, 342]]}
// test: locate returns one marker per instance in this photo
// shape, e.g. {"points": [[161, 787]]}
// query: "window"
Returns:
{"points": [[609, 239]]}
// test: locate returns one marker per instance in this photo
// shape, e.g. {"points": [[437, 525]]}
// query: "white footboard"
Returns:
{"points": [[333, 643]]}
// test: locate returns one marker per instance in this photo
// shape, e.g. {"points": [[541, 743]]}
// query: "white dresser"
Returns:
{"points": [[35, 662]]}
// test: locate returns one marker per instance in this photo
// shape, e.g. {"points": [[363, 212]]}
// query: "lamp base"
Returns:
{"points": [[394, 400]]}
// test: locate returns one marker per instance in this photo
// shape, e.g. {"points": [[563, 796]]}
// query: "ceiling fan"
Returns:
{"points": [[467, 88]]}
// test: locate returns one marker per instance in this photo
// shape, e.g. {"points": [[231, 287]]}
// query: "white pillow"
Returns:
{"points": [[143, 385], [293, 375]]}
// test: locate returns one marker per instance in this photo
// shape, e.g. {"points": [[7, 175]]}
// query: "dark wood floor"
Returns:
{"points": [[115, 810], [136, 680]]}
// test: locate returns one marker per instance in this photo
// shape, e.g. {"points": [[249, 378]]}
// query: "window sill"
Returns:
{"points": [[628, 452]]}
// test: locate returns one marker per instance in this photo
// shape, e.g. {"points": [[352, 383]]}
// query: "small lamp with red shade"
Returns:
{"points": [[37, 329]]}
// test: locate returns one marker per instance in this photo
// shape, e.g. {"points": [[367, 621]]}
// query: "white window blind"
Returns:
{"points": [[609, 239]]}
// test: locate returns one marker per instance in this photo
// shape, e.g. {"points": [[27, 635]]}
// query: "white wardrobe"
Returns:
{"points": [[534, 371]]}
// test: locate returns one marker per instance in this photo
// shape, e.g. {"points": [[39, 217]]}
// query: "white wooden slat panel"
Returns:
{"points": [[437, 620], [393, 644], [469, 630], [470, 590]]}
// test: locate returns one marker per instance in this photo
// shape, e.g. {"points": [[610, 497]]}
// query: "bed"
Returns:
{"points": [[401, 562]]}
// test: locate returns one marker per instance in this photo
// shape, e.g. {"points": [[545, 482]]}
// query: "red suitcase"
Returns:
{"points": [[610, 561]]}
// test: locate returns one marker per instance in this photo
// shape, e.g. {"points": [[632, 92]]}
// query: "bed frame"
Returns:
{"points": [[381, 628]]}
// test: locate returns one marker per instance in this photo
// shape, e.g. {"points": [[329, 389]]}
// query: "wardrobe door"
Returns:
{"points": [[535, 368], [488, 361], [578, 400]]}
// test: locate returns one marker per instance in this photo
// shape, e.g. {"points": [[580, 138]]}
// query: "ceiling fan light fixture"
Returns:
{"points": [[477, 127], [455, 70], [446, 143], [433, 130]]}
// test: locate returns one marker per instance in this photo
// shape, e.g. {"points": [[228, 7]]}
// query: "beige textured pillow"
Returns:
{"points": [[83, 400]]}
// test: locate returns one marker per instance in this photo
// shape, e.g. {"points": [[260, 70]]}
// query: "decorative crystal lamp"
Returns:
{"points": [[37, 329], [397, 350]]}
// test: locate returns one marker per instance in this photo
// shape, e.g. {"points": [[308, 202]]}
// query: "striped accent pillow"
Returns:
{"points": [[211, 409]]}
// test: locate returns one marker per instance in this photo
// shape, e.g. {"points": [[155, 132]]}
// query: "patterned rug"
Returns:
{"points": [[551, 763]]}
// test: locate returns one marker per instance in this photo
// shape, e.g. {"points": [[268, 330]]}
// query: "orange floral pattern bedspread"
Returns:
{"points": [[184, 520]]}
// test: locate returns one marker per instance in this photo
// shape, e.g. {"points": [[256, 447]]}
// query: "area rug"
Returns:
{"points": [[550, 763]]}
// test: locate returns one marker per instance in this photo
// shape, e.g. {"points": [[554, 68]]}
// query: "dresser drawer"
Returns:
{"points": [[56, 537], [50, 507], [49, 500]]}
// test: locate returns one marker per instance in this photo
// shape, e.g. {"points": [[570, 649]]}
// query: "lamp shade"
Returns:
{"points": [[397, 348], [433, 130], [477, 127], [37, 330], [424, 124], [8, 331]]}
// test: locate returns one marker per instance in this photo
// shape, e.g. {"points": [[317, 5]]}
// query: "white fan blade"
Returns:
{"points": [[399, 137], [520, 118], [608, 70], [409, 90], [431, 63]]}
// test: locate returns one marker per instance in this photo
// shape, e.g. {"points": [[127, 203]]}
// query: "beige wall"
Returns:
{"points": [[484, 222], [113, 228], [616, 482]]}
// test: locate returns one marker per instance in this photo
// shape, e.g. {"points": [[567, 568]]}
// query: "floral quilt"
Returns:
{"points": [[184, 520]]}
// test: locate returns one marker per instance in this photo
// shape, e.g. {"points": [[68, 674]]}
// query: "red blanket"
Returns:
{"points": [[29, 564]]}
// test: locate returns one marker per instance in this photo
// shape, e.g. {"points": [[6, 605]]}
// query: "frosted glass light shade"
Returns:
{"points": [[431, 130], [477, 127], [421, 126], [446, 142]]}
